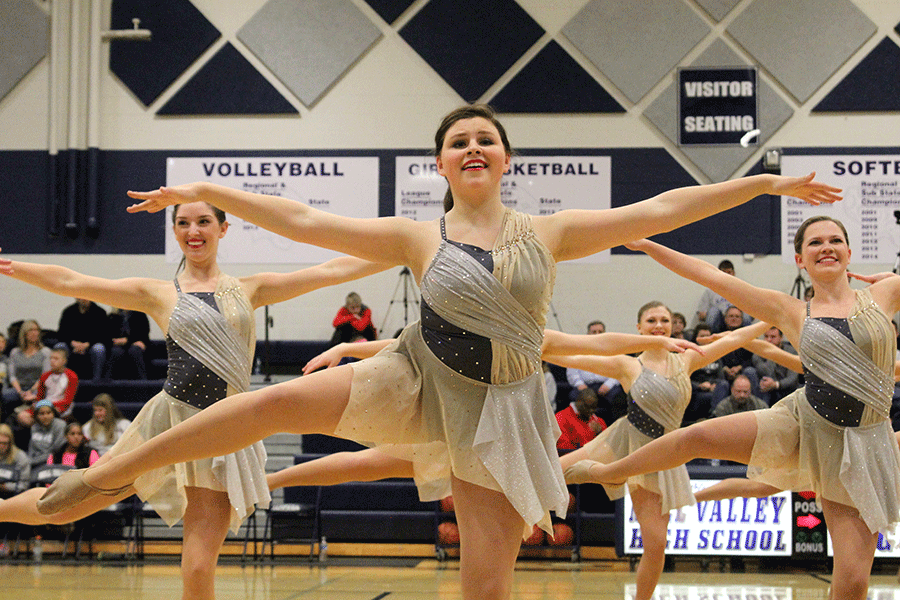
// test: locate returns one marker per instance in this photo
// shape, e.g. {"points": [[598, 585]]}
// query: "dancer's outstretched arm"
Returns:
{"points": [[271, 288], [389, 240], [723, 345], [610, 344], [778, 308], [332, 357], [576, 233]]}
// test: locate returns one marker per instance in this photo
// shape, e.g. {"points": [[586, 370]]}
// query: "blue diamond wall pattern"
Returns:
{"points": [[471, 44], [553, 82], [873, 85], [227, 85], [389, 10], [180, 34]]}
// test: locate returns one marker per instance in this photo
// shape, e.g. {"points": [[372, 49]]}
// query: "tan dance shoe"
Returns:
{"points": [[580, 472], [69, 490]]}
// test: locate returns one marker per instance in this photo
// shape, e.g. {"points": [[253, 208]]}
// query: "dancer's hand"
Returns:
{"points": [[680, 345], [6, 266], [330, 358], [806, 189], [157, 200], [638, 245], [872, 278]]}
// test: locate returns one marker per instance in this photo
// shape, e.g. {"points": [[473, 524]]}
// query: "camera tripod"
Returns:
{"points": [[409, 296]]}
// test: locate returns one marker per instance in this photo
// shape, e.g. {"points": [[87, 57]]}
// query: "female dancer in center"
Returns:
{"points": [[461, 392], [659, 389], [207, 317], [833, 436]]}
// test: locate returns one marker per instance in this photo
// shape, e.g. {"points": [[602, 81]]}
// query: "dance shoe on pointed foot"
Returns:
{"points": [[69, 490], [580, 472]]}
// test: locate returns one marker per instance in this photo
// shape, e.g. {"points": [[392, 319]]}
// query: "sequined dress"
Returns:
{"points": [[498, 433], [656, 404], [834, 435], [210, 341]]}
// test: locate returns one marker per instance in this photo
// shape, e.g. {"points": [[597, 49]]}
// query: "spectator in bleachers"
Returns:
{"points": [[707, 383], [550, 384], [353, 321], [47, 433], [679, 323], [76, 451], [27, 362], [4, 371], [84, 330], [740, 361], [107, 425], [775, 381], [129, 335], [611, 397], [740, 400], [578, 423], [58, 384], [12, 455], [712, 307]]}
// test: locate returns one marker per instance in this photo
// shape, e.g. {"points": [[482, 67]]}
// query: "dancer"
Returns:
{"points": [[207, 317], [659, 390], [833, 436], [465, 382], [373, 465]]}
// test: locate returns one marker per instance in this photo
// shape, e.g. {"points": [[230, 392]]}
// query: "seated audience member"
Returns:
{"points": [[578, 422], [76, 452], [4, 372], [612, 399], [353, 321], [678, 326], [707, 383], [59, 384], [740, 361], [775, 381], [47, 433], [129, 335], [550, 384], [13, 456], [84, 330], [27, 362], [107, 424], [740, 400], [712, 306]]}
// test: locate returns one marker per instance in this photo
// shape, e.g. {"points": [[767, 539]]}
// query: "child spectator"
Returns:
{"points": [[59, 384], [47, 433], [12, 455], [76, 452], [353, 321], [107, 425]]}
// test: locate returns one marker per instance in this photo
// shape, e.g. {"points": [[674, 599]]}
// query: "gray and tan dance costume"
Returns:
{"points": [[834, 436], [461, 391], [656, 404], [210, 343]]}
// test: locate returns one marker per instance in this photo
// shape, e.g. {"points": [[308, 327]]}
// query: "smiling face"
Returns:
{"points": [[473, 156], [99, 413], [824, 252], [198, 231], [655, 321]]}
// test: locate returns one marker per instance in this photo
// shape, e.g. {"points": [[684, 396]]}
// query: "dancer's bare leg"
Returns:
{"points": [[854, 555], [206, 521], [735, 487], [654, 528], [341, 467], [725, 438], [490, 534], [309, 404]]}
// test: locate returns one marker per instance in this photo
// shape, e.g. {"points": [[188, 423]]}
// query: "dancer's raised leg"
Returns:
{"points": [[206, 521], [341, 467], [309, 404], [735, 487], [490, 535], [725, 438]]}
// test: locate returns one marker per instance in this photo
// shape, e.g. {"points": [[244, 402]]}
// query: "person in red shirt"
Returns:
{"points": [[59, 384], [353, 322], [578, 422]]}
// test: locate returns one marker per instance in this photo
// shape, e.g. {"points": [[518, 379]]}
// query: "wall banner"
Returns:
{"points": [[716, 106]]}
